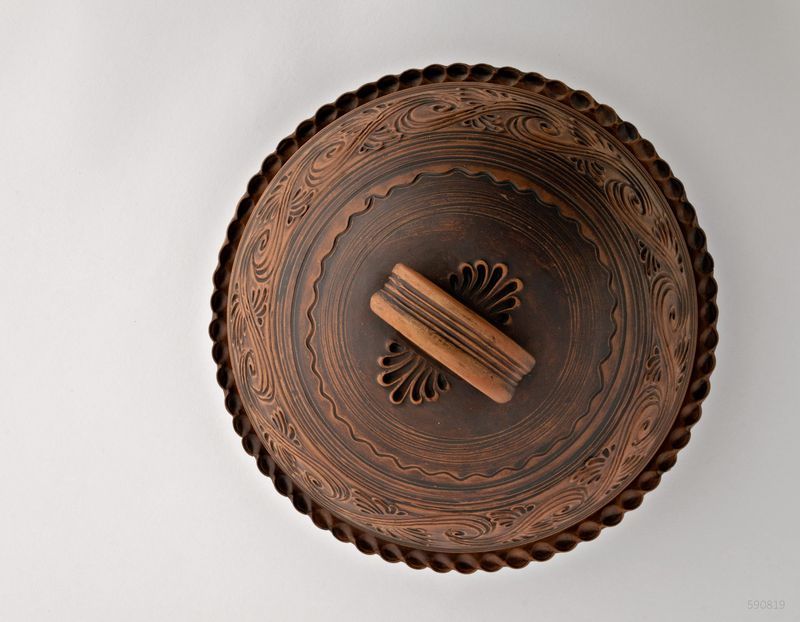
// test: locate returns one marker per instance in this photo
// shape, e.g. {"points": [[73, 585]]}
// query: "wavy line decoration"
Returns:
{"points": [[599, 160]]}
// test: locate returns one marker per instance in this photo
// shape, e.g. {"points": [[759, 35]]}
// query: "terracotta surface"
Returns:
{"points": [[542, 226]]}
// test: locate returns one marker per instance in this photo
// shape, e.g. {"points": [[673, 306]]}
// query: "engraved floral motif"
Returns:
{"points": [[665, 236], [298, 205], [593, 469], [487, 289], [373, 505], [488, 121], [409, 376], [651, 264], [507, 517], [590, 167], [379, 135], [282, 439], [653, 366], [680, 352], [282, 425]]}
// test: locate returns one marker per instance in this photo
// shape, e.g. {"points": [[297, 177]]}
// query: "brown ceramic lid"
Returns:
{"points": [[464, 317]]}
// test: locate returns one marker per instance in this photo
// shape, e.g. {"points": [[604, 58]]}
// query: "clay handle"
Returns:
{"points": [[451, 333]]}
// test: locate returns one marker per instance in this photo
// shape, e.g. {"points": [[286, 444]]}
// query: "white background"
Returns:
{"points": [[128, 131]]}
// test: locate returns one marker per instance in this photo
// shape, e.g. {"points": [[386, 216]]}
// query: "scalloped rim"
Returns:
{"points": [[704, 361]]}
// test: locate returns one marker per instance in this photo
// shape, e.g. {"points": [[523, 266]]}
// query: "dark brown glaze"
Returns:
{"points": [[446, 169]]}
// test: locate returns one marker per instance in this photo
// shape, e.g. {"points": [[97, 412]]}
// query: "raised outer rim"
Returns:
{"points": [[703, 365]]}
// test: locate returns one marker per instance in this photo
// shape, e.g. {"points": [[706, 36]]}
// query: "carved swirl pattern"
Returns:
{"points": [[393, 124], [669, 243]]}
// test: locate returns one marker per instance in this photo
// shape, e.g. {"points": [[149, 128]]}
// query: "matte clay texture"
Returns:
{"points": [[440, 169]]}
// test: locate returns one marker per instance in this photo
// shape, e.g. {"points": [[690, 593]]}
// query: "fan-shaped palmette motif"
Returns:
{"points": [[487, 289], [409, 376]]}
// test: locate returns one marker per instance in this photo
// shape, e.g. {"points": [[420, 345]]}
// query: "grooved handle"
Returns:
{"points": [[449, 332]]}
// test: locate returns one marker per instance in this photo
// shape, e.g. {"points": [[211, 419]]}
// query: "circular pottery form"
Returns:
{"points": [[464, 318]]}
